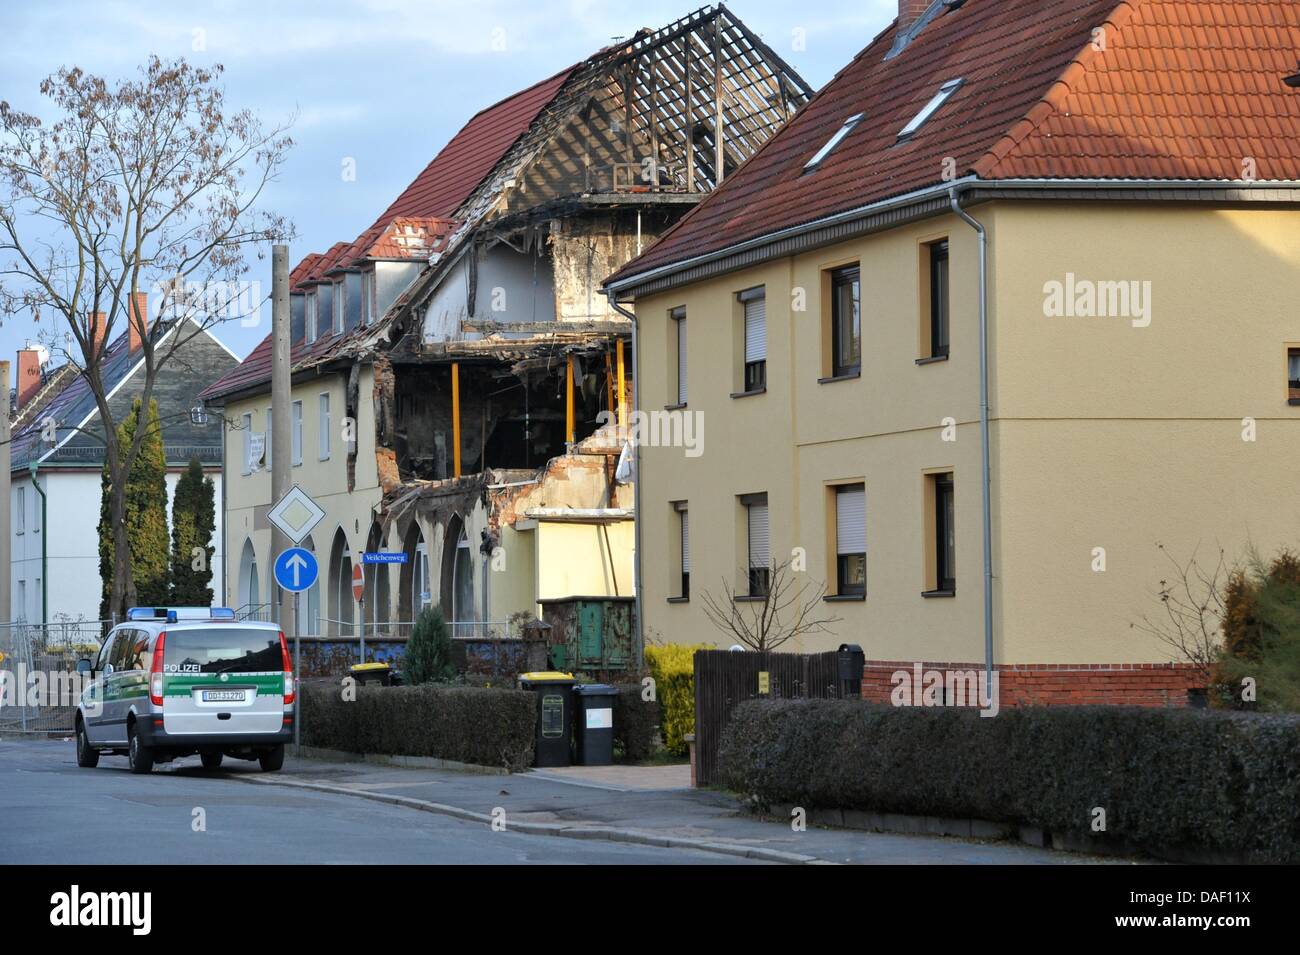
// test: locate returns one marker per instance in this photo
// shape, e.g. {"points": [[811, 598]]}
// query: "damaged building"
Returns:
{"points": [[459, 379]]}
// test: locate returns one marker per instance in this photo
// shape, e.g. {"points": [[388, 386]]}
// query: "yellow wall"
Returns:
{"points": [[575, 560], [1104, 435]]}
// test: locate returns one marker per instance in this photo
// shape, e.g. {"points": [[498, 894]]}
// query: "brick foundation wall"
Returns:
{"points": [[1048, 684]]}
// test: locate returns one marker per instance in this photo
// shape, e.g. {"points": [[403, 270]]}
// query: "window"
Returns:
{"points": [[246, 422], [679, 324], [942, 578], [846, 323], [266, 446], [338, 308], [759, 560], [22, 600], [1293, 376], [851, 540], [311, 306], [324, 437], [368, 297], [754, 302], [938, 255], [930, 108], [834, 141], [297, 433], [20, 503], [684, 528]]}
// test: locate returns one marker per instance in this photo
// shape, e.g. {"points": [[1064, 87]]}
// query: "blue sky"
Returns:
{"points": [[384, 83]]}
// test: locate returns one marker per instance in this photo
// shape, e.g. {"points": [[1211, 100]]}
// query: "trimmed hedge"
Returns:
{"points": [[1169, 779], [490, 727], [635, 722], [673, 669]]}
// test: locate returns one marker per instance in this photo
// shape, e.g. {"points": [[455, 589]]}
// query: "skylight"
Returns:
{"points": [[833, 141], [930, 108]]}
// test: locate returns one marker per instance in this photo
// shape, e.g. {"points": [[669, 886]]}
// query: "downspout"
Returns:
{"points": [[45, 536], [636, 471], [986, 506]]}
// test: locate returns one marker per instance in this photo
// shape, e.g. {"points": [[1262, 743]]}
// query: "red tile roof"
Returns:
{"points": [[1176, 90]]}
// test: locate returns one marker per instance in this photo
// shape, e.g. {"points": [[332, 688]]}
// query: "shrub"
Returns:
{"points": [[428, 651], [1168, 779], [490, 727], [635, 722], [673, 669]]}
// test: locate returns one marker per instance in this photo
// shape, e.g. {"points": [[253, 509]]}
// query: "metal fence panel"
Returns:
{"points": [[38, 669]]}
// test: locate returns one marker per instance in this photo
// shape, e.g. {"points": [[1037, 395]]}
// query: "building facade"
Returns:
{"points": [[1140, 351]]}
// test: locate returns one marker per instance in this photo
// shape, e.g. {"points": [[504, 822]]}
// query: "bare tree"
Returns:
{"points": [[147, 187], [1193, 608], [787, 607]]}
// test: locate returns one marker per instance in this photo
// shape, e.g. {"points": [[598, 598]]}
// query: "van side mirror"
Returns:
{"points": [[85, 666]]}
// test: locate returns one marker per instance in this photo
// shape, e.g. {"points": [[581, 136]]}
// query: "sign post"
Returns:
{"points": [[295, 515], [381, 557], [359, 595]]}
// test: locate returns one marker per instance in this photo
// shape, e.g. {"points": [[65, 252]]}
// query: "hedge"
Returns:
{"points": [[490, 727], [635, 722], [1170, 780], [673, 669]]}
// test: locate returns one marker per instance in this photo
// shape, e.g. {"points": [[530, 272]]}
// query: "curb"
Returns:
{"points": [[404, 762], [610, 834]]}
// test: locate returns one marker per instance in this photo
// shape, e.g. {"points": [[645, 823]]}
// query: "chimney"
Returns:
{"points": [[98, 327], [139, 318], [908, 11], [29, 376]]}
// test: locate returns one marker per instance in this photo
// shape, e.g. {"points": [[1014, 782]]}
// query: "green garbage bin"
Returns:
{"points": [[593, 733], [554, 717]]}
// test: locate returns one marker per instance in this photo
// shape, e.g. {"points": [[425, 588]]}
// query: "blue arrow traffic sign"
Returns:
{"points": [[296, 569]]}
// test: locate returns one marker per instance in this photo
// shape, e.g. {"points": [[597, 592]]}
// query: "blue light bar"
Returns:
{"points": [[177, 614], [222, 613], [147, 613]]}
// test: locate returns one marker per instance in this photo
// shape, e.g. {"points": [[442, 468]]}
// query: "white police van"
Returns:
{"points": [[172, 682]]}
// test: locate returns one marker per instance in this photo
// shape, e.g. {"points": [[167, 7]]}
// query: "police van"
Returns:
{"points": [[171, 682]]}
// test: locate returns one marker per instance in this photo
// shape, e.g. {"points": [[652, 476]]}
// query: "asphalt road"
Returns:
{"points": [[52, 812]]}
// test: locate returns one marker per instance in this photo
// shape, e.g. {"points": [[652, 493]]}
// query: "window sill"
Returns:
{"points": [[676, 407], [749, 598], [748, 394], [847, 376], [931, 360], [679, 600], [938, 593], [844, 598]]}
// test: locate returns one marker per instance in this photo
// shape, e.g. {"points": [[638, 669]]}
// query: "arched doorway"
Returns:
{"points": [[250, 589], [413, 582], [341, 610], [377, 592], [311, 609], [458, 578]]}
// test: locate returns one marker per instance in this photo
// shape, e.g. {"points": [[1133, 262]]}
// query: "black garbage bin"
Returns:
{"points": [[554, 715], [593, 733], [372, 674], [850, 662]]}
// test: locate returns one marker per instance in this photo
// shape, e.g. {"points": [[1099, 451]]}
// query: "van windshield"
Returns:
{"points": [[217, 650]]}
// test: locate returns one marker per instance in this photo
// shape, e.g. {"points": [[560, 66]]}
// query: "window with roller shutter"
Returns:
{"points": [[851, 539]]}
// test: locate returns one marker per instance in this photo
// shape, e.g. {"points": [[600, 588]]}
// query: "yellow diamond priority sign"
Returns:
{"points": [[296, 514]]}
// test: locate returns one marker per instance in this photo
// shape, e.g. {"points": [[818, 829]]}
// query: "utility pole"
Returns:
{"points": [[281, 421], [6, 567]]}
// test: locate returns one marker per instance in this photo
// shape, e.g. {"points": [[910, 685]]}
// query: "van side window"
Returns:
{"points": [[120, 656], [106, 651], [138, 655]]}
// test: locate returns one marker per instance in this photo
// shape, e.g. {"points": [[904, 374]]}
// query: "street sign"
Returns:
{"points": [[296, 569], [358, 582], [296, 514], [383, 557]]}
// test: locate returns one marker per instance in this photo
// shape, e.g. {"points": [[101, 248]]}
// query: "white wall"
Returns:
{"points": [[73, 581]]}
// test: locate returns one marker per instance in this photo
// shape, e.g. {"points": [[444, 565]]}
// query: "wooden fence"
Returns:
{"points": [[724, 678]]}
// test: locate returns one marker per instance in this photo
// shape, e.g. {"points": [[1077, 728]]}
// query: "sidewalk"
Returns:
{"points": [[650, 804]]}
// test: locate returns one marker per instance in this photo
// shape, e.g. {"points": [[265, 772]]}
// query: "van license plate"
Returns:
{"points": [[223, 696]]}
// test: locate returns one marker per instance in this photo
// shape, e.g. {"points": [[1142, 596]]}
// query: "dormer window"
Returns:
{"points": [[310, 305], [338, 308], [834, 141], [930, 108], [368, 298]]}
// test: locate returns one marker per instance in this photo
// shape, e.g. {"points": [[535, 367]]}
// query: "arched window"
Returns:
{"points": [[250, 590], [342, 607]]}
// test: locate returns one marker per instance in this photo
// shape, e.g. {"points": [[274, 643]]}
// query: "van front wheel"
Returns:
{"points": [[87, 756], [139, 756], [272, 759]]}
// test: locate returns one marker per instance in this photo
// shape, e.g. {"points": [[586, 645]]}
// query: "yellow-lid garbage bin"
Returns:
{"points": [[554, 715]]}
